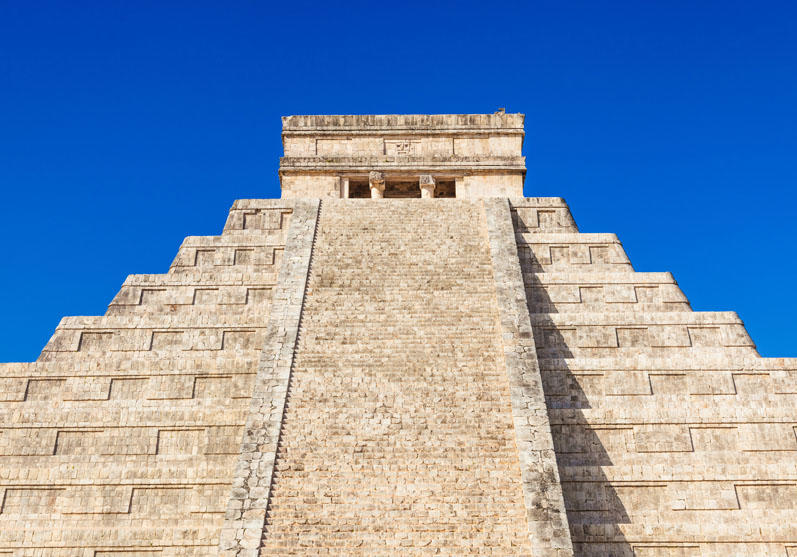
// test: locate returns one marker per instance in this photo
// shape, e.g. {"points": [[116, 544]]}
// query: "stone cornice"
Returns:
{"points": [[408, 163], [404, 124]]}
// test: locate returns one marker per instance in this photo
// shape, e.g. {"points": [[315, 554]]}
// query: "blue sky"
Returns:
{"points": [[125, 126]]}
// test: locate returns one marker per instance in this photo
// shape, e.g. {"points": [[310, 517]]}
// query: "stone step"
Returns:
{"points": [[535, 214], [76, 468], [172, 298], [725, 360]]}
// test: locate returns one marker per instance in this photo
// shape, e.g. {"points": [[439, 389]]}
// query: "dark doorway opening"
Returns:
{"points": [[445, 188], [407, 190], [398, 189], [359, 189]]}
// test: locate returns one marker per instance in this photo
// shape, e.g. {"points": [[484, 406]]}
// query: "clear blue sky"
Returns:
{"points": [[125, 126]]}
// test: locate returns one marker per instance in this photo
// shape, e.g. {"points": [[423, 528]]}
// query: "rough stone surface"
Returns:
{"points": [[398, 437], [481, 153], [545, 509], [427, 184], [251, 486]]}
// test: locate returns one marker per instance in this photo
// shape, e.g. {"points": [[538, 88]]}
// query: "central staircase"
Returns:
{"points": [[397, 436]]}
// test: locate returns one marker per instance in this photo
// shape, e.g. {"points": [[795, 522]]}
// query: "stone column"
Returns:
{"points": [[376, 181], [427, 186]]}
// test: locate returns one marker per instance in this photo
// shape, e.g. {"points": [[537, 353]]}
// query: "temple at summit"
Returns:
{"points": [[401, 356]]}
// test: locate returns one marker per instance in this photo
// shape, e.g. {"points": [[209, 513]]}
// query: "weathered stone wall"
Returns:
{"points": [[123, 437], [482, 152], [310, 185], [673, 436], [476, 186]]}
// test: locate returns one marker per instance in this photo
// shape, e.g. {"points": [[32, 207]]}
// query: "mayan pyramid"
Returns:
{"points": [[401, 356]]}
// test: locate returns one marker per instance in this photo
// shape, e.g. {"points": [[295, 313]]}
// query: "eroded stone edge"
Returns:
{"points": [[246, 509], [542, 491]]}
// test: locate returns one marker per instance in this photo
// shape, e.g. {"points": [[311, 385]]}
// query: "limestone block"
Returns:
{"points": [[223, 439], [181, 441], [67, 341], [170, 387], [658, 438], [128, 388], [767, 437], [704, 336], [735, 334], [239, 340], [765, 496], [79, 500], [27, 442], [542, 214], [720, 438], [629, 337], [493, 145], [213, 386], [79, 442], [562, 294], [490, 185], [784, 381], [711, 383], [168, 340], [642, 498], [703, 496], [671, 293], [44, 389], [597, 337], [669, 336], [591, 294], [127, 295], [621, 293], [167, 501], [526, 218], [87, 388], [752, 384], [309, 186], [30, 501], [209, 498], [12, 389], [300, 146], [618, 383]]}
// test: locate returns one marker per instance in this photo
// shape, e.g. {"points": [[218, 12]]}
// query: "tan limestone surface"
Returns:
{"points": [[397, 436], [481, 154]]}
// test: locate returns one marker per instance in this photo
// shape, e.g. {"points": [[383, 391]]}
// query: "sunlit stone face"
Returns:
{"points": [[474, 155]]}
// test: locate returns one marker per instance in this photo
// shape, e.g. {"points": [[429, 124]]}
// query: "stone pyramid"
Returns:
{"points": [[401, 356]]}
